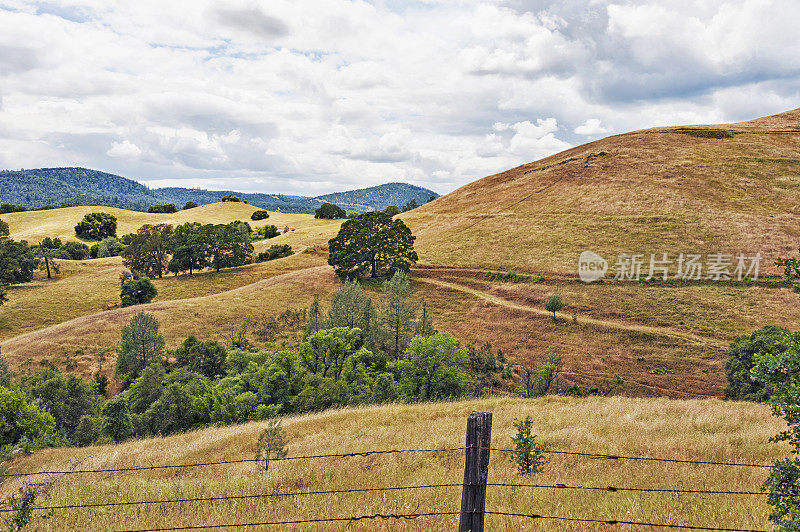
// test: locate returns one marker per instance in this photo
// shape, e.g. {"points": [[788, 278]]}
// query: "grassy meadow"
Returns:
{"points": [[694, 429]]}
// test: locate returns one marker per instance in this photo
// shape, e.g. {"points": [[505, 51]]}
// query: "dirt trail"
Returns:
{"points": [[608, 324]]}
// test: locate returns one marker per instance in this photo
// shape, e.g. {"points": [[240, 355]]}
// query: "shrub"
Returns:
{"points": [[76, 250], [742, 355], [117, 423], [510, 277], [262, 233], [109, 247], [189, 205], [278, 251], [167, 208], [229, 197], [97, 226], [528, 455], [138, 292], [259, 215]]}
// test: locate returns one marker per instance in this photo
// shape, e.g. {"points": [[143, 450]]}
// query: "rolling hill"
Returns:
{"points": [[693, 189], [698, 189], [39, 187]]}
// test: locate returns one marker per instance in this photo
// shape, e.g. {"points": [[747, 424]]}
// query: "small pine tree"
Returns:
{"points": [[528, 454], [314, 322]]}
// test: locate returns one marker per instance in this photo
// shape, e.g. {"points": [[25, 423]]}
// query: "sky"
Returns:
{"points": [[313, 96]]}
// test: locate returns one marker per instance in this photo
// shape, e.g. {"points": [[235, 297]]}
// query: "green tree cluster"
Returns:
{"points": [[166, 208]]}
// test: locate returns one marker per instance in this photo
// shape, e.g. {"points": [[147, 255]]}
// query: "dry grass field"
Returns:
{"points": [[695, 429]]}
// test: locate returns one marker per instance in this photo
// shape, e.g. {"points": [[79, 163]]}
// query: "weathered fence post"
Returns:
{"points": [[476, 472]]}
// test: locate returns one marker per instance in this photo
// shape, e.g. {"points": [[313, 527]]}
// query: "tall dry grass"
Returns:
{"points": [[697, 429]]}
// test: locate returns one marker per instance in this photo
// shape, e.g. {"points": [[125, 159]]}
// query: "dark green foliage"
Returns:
{"points": [[372, 244], [206, 358], [230, 245], [77, 250], [741, 360], [230, 197], [392, 210], [189, 205], [538, 381], [89, 429], [146, 388], [259, 215], [137, 292], [192, 244], [148, 250], [329, 211], [167, 208], [278, 251], [554, 304], [6, 208], [780, 373], [411, 205], [3, 229], [17, 262], [117, 423], [262, 233], [379, 197], [67, 398], [528, 455], [97, 226], [140, 345], [271, 443], [19, 418]]}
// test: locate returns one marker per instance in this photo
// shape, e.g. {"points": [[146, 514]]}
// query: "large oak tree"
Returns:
{"points": [[372, 244]]}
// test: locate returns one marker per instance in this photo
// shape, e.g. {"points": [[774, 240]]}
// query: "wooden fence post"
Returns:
{"points": [[476, 472]]}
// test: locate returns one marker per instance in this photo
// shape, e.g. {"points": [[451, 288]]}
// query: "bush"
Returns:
{"points": [[271, 443], [89, 429], [109, 247], [262, 233], [76, 250], [278, 251], [229, 197], [206, 358], [21, 419], [166, 208], [189, 205], [329, 211], [138, 292], [259, 215], [97, 226], [510, 277]]}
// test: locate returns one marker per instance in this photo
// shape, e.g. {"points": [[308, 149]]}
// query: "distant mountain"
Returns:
{"points": [[39, 187]]}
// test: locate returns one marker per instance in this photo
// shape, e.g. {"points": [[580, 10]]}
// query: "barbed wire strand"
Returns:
{"points": [[235, 497], [223, 462], [646, 458], [623, 522], [612, 489], [300, 521]]}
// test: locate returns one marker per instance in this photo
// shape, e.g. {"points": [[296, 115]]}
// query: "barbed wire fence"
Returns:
{"points": [[472, 515]]}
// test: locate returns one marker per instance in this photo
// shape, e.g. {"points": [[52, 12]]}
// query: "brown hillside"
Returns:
{"points": [[704, 189]]}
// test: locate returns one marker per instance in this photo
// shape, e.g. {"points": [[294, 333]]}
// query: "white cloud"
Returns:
{"points": [[125, 150], [307, 96], [590, 128]]}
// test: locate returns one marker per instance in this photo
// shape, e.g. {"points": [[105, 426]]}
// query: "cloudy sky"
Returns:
{"points": [[312, 96]]}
